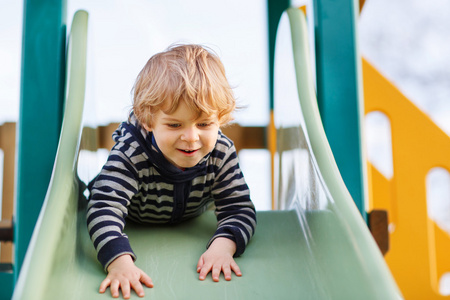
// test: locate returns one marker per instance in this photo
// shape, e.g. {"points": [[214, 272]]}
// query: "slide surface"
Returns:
{"points": [[315, 247]]}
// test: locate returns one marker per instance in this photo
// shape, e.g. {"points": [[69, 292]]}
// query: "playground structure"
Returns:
{"points": [[416, 238], [316, 216], [312, 216]]}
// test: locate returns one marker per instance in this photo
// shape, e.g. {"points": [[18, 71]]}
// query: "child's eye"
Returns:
{"points": [[203, 124], [174, 125]]}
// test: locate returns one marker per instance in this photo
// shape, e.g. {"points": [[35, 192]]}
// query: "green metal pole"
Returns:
{"points": [[275, 9], [339, 89], [41, 102]]}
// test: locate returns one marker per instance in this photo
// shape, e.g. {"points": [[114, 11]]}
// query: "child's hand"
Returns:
{"points": [[123, 274], [218, 258]]}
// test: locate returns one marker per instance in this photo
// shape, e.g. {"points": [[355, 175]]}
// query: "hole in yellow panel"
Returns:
{"points": [[379, 142]]}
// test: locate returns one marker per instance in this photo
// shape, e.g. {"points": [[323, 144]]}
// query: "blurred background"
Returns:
{"points": [[407, 40]]}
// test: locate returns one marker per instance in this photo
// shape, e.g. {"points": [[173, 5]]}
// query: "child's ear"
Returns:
{"points": [[147, 127]]}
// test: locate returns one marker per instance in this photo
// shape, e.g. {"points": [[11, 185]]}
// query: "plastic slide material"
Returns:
{"points": [[315, 247]]}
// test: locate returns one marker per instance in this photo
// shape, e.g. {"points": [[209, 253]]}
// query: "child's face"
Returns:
{"points": [[183, 138]]}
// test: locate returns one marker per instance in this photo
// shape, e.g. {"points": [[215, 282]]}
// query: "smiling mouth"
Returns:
{"points": [[188, 151]]}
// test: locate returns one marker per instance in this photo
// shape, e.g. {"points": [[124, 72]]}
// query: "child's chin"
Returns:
{"points": [[187, 165]]}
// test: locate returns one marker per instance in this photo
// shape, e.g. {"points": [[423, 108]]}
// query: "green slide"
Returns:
{"points": [[316, 246]]}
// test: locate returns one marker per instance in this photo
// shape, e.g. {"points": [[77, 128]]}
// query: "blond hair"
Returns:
{"points": [[187, 73]]}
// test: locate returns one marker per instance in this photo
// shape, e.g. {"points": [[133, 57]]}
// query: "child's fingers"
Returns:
{"points": [[216, 272], [200, 264], [137, 287], [227, 272], [204, 271], [125, 286], [145, 279], [114, 287], [235, 268], [105, 283]]}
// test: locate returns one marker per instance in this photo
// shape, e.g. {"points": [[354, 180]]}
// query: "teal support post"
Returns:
{"points": [[275, 9], [7, 280], [41, 103], [339, 89]]}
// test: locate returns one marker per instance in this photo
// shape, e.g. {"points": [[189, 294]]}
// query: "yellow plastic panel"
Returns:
{"points": [[419, 251]]}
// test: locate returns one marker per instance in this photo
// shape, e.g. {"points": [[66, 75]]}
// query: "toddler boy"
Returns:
{"points": [[170, 161]]}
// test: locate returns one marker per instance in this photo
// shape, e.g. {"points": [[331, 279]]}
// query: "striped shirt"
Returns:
{"points": [[139, 184]]}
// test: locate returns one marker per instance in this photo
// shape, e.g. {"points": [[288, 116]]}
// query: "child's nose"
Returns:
{"points": [[190, 135]]}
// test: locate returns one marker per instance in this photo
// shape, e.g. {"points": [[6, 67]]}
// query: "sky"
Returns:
{"points": [[123, 35], [10, 52], [409, 41]]}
